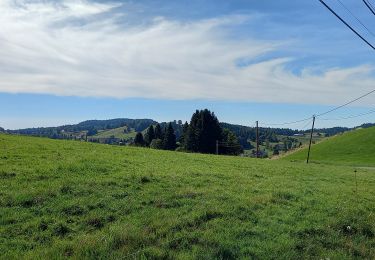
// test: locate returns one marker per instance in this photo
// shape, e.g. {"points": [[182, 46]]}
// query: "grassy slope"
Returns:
{"points": [[352, 148], [85, 200], [117, 133]]}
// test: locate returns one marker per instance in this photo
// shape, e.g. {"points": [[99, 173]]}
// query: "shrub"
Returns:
{"points": [[156, 144]]}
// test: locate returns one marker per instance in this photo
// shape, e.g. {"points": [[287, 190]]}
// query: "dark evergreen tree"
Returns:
{"points": [[150, 135], [138, 140], [158, 132], [184, 133], [169, 142], [231, 144], [204, 130], [191, 138]]}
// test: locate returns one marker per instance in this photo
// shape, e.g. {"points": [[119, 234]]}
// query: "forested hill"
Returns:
{"points": [[91, 126]]}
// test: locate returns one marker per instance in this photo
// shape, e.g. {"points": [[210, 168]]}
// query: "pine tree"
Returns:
{"points": [[232, 145], [158, 132], [204, 129], [183, 136], [138, 140], [150, 135], [191, 138], [169, 141]]}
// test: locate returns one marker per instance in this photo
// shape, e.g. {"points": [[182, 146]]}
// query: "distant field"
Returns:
{"points": [[305, 139], [117, 133], [61, 199], [356, 147]]}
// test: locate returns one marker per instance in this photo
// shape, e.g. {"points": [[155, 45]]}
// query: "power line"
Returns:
{"points": [[369, 2], [343, 21], [349, 117], [352, 101], [347, 9], [348, 103], [369, 6], [321, 114], [304, 127]]}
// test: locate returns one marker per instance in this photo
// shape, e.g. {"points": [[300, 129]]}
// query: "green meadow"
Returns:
{"points": [[117, 133], [70, 199], [356, 148]]}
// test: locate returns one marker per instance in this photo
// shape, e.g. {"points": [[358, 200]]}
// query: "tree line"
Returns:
{"points": [[203, 134]]}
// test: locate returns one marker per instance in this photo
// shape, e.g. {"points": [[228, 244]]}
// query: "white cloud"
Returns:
{"points": [[79, 48]]}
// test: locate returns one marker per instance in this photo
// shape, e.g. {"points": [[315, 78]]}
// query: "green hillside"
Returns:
{"points": [[117, 133], [356, 147], [61, 199]]}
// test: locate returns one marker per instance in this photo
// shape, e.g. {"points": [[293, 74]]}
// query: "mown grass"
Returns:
{"points": [[61, 199], [356, 148]]}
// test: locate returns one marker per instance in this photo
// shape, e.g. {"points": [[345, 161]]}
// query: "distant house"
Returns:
{"points": [[298, 134]]}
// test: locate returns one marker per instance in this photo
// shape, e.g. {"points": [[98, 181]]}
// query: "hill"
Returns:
{"points": [[356, 147], [62, 199], [89, 127], [122, 132], [127, 132]]}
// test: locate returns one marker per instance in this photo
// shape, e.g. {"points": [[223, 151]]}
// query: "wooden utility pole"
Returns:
{"points": [[311, 135], [257, 134], [217, 147]]}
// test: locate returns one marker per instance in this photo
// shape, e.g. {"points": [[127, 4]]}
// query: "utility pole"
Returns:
{"points": [[311, 135], [217, 147], [257, 134]]}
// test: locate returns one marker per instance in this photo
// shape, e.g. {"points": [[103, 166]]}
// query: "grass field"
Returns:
{"points": [[62, 199], [117, 133], [355, 148]]}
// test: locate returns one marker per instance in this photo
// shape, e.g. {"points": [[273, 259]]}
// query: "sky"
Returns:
{"points": [[67, 61]]}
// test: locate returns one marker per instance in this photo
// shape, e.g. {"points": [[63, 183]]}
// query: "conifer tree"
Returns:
{"points": [[158, 132], [232, 145], [169, 141], [204, 129], [138, 140], [184, 133], [150, 135]]}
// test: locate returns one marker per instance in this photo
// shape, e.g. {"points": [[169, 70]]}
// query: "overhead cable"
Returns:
{"points": [[355, 17], [344, 22]]}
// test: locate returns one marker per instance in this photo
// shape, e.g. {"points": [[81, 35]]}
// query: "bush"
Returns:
{"points": [[156, 144], [180, 149]]}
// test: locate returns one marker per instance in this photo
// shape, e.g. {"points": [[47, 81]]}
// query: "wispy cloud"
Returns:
{"points": [[83, 48]]}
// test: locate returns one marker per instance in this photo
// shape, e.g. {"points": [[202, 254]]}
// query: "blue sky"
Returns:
{"points": [[273, 61]]}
